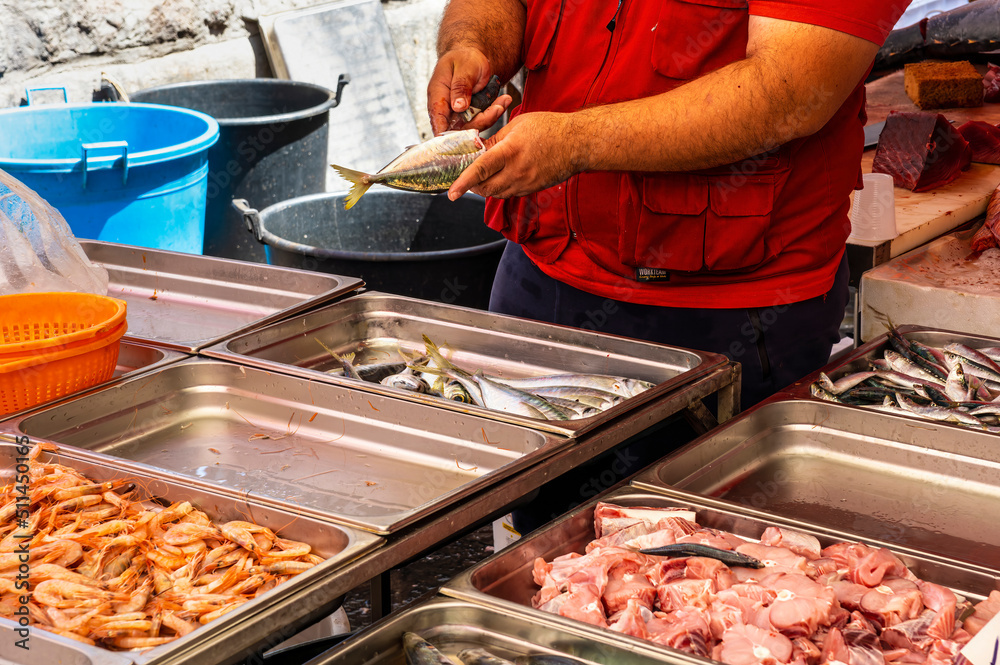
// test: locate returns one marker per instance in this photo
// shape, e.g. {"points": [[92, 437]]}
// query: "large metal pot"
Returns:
{"points": [[272, 146], [417, 245]]}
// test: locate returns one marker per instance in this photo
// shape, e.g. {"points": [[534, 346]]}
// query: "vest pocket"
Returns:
{"points": [[737, 223], [518, 218], [695, 223], [670, 234], [694, 37], [542, 23]]}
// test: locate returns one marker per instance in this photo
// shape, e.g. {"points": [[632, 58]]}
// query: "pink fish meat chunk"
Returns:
{"points": [[920, 150]]}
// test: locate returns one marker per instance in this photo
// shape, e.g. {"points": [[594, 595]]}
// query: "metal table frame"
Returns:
{"points": [[722, 381]]}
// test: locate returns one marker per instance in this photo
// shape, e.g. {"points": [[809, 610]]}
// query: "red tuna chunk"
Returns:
{"points": [[920, 151]]}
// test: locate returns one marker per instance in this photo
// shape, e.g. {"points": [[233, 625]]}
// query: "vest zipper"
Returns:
{"points": [[611, 23]]}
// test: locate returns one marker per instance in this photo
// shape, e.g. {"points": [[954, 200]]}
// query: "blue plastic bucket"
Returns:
{"points": [[129, 173]]}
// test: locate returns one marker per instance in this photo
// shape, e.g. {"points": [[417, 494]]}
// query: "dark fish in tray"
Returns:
{"points": [[421, 652], [728, 557], [954, 383]]}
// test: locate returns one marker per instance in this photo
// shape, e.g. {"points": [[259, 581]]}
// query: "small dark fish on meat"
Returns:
{"points": [[727, 557], [920, 151]]}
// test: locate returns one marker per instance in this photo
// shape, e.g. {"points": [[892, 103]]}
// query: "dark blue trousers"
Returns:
{"points": [[774, 345]]}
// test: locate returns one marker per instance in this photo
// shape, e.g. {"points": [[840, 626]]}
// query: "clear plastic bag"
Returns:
{"points": [[38, 251]]}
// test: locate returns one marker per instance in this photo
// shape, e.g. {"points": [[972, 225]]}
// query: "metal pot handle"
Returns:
{"points": [[250, 217]]}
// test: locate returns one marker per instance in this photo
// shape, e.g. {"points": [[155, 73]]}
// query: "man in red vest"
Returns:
{"points": [[681, 167], [678, 171]]}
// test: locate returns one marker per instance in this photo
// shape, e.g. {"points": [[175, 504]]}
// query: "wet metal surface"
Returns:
{"points": [[326, 450], [187, 301], [878, 475], [375, 326]]}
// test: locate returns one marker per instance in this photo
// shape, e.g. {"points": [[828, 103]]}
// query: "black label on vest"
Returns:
{"points": [[651, 275]]}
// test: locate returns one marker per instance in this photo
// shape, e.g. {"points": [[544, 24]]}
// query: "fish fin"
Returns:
{"points": [[358, 184]]}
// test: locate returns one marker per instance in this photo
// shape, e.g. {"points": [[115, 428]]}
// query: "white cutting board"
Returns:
{"points": [[940, 285], [373, 123]]}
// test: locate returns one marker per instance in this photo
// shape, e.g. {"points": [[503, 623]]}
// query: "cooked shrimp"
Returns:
{"points": [[172, 513], [140, 642], [60, 594], [187, 532], [60, 552], [73, 636], [240, 534], [164, 560], [177, 624], [50, 571], [283, 568], [233, 604], [137, 599], [83, 490]]}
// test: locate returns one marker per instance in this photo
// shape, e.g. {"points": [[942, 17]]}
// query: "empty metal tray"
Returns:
{"points": [[504, 581], [374, 326], [282, 611], [875, 474], [324, 450], [452, 625], [187, 301]]}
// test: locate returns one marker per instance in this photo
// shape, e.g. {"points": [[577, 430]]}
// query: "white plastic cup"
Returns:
{"points": [[873, 215]]}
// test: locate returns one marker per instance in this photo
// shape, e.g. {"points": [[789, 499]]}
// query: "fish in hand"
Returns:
{"points": [[431, 166]]}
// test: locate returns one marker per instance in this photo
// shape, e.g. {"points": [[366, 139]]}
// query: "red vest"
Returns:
{"points": [[767, 230]]}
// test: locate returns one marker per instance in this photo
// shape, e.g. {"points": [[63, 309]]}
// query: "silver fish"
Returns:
{"points": [[500, 397], [600, 399], [421, 652], [406, 380], [431, 166], [481, 657], [844, 383], [904, 366], [612, 384], [937, 412], [454, 390], [956, 387]]}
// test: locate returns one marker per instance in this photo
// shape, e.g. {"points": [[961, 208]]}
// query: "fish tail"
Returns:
{"points": [[359, 184]]}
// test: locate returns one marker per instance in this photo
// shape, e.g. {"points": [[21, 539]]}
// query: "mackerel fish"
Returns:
{"points": [[431, 166]]}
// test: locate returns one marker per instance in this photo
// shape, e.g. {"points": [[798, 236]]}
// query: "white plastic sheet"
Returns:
{"points": [[38, 251]]}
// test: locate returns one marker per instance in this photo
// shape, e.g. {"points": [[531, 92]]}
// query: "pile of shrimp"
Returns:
{"points": [[108, 570]]}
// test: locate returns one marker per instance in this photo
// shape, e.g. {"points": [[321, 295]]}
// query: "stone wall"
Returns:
{"points": [[144, 43]]}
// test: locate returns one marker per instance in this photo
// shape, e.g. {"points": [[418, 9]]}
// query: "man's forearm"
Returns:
{"points": [[494, 27], [733, 113]]}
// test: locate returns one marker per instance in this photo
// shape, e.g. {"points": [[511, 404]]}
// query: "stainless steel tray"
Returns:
{"points": [[45, 647], [504, 581], [319, 449], [186, 301], [858, 359], [874, 474], [375, 325], [452, 625], [281, 612]]}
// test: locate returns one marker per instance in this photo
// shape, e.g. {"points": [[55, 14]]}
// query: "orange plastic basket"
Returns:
{"points": [[54, 344]]}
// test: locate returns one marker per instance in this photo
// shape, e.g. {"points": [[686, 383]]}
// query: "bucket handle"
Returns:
{"points": [[28, 91], [250, 217], [120, 145]]}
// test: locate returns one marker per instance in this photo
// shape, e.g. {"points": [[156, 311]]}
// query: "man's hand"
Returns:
{"points": [[532, 152], [458, 75]]}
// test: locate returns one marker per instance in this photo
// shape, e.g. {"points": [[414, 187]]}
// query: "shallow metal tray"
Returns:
{"points": [[504, 581], [858, 361], [279, 613], [187, 301], [320, 449], [874, 474], [452, 625], [375, 325], [45, 647]]}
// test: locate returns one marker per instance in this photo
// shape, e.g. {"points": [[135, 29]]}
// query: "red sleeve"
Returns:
{"points": [[867, 19]]}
